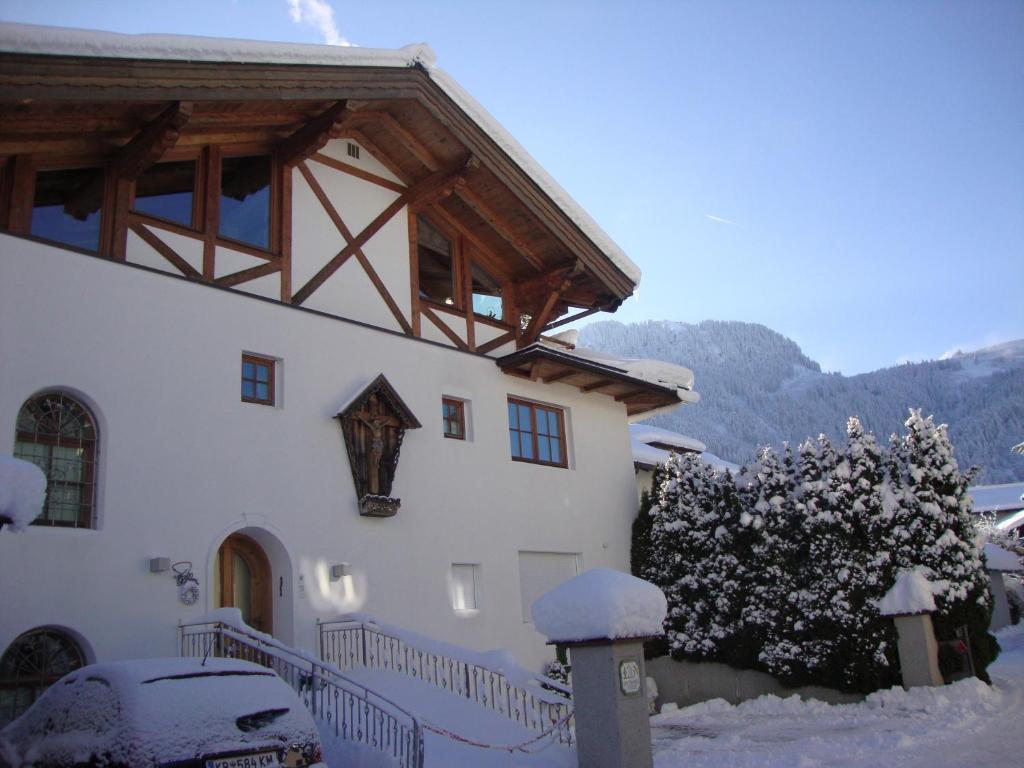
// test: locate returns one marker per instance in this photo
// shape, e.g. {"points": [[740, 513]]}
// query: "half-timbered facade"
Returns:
{"points": [[230, 272]]}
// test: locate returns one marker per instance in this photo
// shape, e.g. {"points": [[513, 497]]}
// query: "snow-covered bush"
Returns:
{"points": [[781, 568]]}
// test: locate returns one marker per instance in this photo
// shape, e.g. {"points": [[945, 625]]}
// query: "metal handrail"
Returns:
{"points": [[357, 713], [348, 644]]}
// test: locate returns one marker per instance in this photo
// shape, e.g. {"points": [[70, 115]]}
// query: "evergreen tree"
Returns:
{"points": [[932, 526], [640, 544], [871, 646], [777, 550]]}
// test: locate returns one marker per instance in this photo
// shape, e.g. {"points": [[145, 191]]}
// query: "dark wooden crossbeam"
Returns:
{"points": [[314, 135]]}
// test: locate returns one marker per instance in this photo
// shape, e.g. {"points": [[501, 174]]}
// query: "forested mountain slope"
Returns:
{"points": [[757, 387]]}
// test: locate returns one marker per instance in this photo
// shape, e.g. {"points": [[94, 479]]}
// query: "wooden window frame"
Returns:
{"points": [[460, 410], [271, 364], [562, 438], [196, 226], [213, 191]]}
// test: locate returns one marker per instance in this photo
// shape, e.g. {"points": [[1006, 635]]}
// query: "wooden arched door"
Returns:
{"points": [[244, 581]]}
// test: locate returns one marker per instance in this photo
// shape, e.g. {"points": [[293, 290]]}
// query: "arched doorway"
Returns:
{"points": [[242, 579]]}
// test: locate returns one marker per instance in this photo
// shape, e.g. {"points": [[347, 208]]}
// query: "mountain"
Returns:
{"points": [[758, 387]]}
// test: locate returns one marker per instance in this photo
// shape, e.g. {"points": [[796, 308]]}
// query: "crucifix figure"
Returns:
{"points": [[374, 420]]}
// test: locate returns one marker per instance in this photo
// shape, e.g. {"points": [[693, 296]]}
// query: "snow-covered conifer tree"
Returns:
{"points": [[932, 526]]}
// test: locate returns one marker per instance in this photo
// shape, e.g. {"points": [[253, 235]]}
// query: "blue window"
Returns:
{"points": [[257, 380], [536, 433]]}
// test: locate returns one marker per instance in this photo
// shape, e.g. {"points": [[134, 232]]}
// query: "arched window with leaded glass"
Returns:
{"points": [[58, 434], [30, 665]]}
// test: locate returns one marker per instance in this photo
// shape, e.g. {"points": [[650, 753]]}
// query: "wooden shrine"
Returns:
{"points": [[373, 425]]}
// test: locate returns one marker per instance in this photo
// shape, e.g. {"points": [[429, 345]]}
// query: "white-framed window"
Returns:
{"points": [[464, 586], [540, 572]]}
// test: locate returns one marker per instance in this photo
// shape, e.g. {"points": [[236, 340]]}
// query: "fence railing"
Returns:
{"points": [[354, 712], [352, 644]]}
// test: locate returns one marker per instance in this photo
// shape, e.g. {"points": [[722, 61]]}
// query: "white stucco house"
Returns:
{"points": [[274, 318]]}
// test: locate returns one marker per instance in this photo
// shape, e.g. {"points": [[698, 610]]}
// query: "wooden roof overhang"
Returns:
{"points": [[539, 363], [67, 109]]}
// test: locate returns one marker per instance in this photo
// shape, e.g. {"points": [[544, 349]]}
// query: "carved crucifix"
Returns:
{"points": [[373, 425]]}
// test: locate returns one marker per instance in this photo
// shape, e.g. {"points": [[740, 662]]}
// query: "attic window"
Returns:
{"points": [[245, 199], [353, 150], [436, 275], [486, 293], [66, 207], [166, 190]]}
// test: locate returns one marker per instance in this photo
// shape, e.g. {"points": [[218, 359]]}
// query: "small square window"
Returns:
{"points": [[465, 586], [257, 380], [453, 416]]}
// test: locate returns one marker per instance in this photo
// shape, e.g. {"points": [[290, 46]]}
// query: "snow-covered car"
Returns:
{"points": [[185, 713]]}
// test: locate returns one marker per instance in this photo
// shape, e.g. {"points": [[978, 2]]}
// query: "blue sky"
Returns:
{"points": [[850, 174]]}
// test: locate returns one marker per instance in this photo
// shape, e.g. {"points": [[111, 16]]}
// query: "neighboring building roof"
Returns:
{"points": [[1007, 497], [999, 559], [647, 457], [57, 41]]}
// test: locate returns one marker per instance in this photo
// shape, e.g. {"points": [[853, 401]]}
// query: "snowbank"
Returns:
{"points": [[999, 559], [22, 492], [912, 593], [600, 604]]}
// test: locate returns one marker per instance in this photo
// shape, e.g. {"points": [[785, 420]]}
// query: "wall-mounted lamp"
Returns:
{"points": [[159, 564], [339, 570]]}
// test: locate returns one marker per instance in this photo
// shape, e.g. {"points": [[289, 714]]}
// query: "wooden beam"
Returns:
{"points": [[597, 385], [165, 250], [20, 179], [150, 144], [245, 275], [312, 137], [414, 274], [632, 393], [368, 144], [385, 294], [538, 321], [559, 375], [571, 318], [489, 215], [483, 254], [405, 138], [496, 342], [411, 195], [443, 326], [286, 234], [359, 173]]}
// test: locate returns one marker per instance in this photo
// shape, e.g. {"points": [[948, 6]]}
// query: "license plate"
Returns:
{"points": [[255, 760]]}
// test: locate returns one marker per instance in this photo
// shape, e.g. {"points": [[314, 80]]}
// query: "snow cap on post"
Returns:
{"points": [[911, 594], [22, 492], [600, 604]]}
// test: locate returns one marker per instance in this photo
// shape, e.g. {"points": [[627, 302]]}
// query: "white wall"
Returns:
{"points": [[184, 462]]}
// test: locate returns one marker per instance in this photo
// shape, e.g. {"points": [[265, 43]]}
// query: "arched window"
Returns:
{"points": [[30, 665], [58, 434]]}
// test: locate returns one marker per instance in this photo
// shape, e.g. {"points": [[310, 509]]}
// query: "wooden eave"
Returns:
{"points": [[70, 108], [539, 363]]}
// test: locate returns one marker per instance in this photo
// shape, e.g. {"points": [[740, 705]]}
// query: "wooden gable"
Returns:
{"points": [[125, 114]]}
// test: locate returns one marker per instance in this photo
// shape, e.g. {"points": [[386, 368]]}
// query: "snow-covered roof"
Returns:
{"points": [[647, 434], [999, 559], [58, 41], [600, 604], [912, 593], [652, 371], [647, 456], [1007, 497], [22, 492]]}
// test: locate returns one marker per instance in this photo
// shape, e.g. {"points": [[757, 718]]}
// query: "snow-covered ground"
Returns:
{"points": [[964, 724], [967, 723]]}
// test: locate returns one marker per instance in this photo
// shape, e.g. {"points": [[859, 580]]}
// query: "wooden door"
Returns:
{"points": [[245, 581]]}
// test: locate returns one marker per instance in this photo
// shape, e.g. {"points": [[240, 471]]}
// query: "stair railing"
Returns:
{"points": [[354, 712], [349, 644]]}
